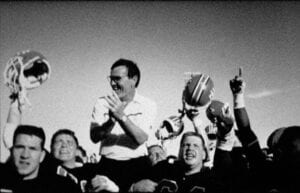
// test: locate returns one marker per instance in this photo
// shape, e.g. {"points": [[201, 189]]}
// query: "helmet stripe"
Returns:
{"points": [[202, 84], [197, 87]]}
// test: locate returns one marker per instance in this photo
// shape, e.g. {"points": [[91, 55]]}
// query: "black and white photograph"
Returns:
{"points": [[150, 96]]}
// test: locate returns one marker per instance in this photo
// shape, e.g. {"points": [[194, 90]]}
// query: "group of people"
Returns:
{"points": [[132, 159]]}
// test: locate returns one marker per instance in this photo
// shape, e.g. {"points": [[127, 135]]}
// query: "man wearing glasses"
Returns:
{"points": [[123, 121]]}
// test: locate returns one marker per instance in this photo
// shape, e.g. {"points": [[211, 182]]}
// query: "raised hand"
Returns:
{"points": [[228, 121], [220, 115], [237, 84], [192, 112], [115, 106]]}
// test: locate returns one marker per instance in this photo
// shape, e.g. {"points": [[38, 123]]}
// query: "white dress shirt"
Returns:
{"points": [[118, 145]]}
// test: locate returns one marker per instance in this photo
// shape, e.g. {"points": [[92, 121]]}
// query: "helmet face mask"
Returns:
{"points": [[12, 72], [170, 128], [26, 70]]}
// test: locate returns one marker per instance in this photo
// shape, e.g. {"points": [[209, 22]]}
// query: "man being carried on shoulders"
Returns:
{"points": [[122, 121]]}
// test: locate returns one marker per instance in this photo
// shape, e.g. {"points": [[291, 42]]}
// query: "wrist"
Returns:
{"points": [[112, 119], [227, 142], [197, 122], [238, 101], [124, 118]]}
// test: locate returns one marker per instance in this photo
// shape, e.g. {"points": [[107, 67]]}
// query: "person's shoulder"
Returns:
{"points": [[206, 170], [144, 100], [7, 168], [100, 100], [2, 166], [86, 171], [7, 175], [49, 165], [62, 179]]}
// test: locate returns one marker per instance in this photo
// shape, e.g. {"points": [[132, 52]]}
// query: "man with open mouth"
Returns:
{"points": [[123, 121]]}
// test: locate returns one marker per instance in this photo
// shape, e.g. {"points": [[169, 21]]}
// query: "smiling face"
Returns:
{"points": [[27, 154], [192, 153], [123, 85], [64, 148]]}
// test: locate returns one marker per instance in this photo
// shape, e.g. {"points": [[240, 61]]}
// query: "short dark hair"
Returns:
{"points": [[196, 134], [30, 130], [133, 69], [65, 132]]}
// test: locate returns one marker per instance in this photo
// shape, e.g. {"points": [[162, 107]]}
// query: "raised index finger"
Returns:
{"points": [[240, 71]]}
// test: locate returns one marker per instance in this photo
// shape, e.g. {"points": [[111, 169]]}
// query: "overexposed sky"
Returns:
{"points": [[82, 39]]}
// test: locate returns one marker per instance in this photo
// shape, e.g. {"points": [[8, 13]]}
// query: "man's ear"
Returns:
{"points": [[43, 155], [135, 79]]}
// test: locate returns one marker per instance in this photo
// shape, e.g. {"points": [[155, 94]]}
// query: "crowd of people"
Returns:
{"points": [[133, 159]]}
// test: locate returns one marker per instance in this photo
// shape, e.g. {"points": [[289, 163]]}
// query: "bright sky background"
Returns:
{"points": [[82, 39]]}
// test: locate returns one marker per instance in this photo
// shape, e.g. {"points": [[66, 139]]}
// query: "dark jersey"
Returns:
{"points": [[11, 182], [80, 175], [265, 175], [123, 173], [171, 178]]}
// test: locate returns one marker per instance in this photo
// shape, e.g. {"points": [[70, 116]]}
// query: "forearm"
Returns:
{"points": [[198, 126], [248, 138], [132, 130], [99, 132], [245, 133], [226, 143], [13, 120], [14, 113], [8, 134]]}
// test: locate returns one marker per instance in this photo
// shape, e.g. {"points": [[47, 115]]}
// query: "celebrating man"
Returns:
{"points": [[122, 121], [22, 173]]}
